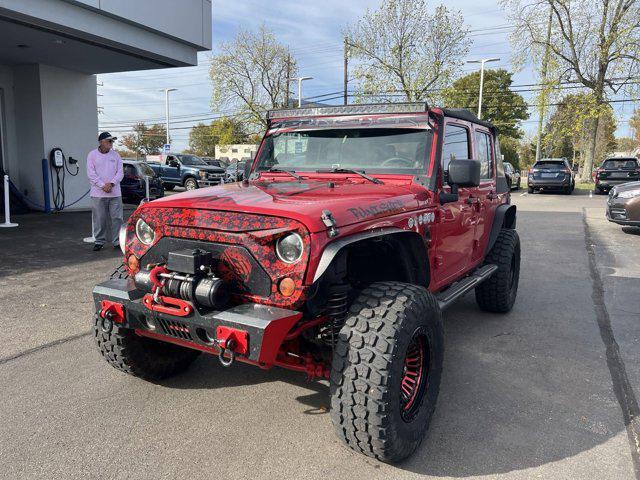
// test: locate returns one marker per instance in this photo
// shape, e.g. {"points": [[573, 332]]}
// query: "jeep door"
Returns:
{"points": [[171, 170], [455, 231], [486, 197]]}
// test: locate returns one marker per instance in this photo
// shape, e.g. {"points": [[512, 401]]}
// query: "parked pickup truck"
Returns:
{"points": [[188, 171]]}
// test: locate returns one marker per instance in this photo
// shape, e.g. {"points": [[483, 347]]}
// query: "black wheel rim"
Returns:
{"points": [[415, 376]]}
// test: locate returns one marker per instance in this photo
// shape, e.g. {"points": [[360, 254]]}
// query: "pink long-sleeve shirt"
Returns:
{"points": [[103, 168]]}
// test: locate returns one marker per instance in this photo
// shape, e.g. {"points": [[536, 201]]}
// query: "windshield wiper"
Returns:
{"points": [[350, 170], [281, 170]]}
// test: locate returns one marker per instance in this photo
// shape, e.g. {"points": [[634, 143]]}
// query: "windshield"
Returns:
{"points": [[375, 150], [621, 164], [191, 160], [551, 165], [146, 170]]}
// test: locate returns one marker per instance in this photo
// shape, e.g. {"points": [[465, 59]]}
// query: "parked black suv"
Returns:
{"points": [[551, 174], [133, 185], [615, 171], [512, 175]]}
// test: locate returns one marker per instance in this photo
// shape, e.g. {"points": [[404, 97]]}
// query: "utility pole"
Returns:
{"points": [[543, 93], [346, 69], [166, 110], [482, 62], [300, 80], [286, 93]]}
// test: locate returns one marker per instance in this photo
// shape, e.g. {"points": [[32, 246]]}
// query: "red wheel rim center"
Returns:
{"points": [[414, 375]]}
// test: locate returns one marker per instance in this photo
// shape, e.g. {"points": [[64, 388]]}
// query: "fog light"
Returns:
{"points": [[287, 286], [133, 264]]}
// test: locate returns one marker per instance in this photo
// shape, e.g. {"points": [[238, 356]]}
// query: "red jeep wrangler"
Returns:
{"points": [[354, 228]]}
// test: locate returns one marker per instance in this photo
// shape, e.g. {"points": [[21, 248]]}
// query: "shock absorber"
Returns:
{"points": [[336, 311]]}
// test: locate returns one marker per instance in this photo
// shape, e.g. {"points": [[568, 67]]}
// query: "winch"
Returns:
{"points": [[187, 275]]}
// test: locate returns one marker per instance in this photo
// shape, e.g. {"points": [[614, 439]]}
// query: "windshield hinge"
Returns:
{"points": [[330, 223]]}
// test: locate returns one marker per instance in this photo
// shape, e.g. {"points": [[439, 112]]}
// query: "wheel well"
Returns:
{"points": [[510, 217], [187, 177], [398, 256]]}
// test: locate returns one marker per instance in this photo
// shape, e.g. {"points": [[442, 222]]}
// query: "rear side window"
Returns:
{"points": [[129, 170], [483, 146], [455, 145], [620, 164]]}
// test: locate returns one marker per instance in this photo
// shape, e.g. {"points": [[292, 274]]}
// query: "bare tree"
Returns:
{"points": [[402, 47], [593, 42], [251, 75]]}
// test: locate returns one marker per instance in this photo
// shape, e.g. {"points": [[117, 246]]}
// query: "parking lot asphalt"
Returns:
{"points": [[546, 391]]}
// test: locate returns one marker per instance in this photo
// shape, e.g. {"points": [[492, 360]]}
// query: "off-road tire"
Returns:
{"points": [[191, 184], [498, 293], [567, 190], [518, 185], [139, 356], [369, 367], [530, 189]]}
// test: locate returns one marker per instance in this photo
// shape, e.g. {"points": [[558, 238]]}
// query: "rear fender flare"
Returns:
{"points": [[505, 217]]}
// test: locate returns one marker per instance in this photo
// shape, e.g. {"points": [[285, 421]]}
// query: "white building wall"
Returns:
{"points": [[170, 30], [25, 167], [7, 121], [69, 106]]}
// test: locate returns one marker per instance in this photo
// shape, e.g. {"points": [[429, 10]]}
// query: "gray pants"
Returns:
{"points": [[106, 210]]}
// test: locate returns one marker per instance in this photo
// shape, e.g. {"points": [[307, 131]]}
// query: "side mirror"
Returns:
{"points": [[247, 169], [464, 173]]}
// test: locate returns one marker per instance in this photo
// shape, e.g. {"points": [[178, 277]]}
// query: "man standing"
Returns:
{"points": [[104, 169]]}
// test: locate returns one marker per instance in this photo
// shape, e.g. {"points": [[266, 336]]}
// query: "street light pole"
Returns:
{"points": [[300, 80], [482, 62], [166, 109]]}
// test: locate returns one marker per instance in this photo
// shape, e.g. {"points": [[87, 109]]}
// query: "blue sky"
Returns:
{"points": [[312, 30]]}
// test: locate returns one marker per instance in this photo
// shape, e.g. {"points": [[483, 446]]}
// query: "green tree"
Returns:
{"points": [[408, 47], [509, 147], [223, 131], [595, 43], [634, 123], [527, 153], [626, 144], [145, 140], [500, 105], [251, 74], [568, 132]]}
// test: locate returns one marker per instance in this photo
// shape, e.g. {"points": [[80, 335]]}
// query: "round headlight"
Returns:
{"points": [[144, 232], [289, 248]]}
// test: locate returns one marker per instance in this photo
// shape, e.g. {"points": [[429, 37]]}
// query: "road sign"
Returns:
{"points": [[166, 148]]}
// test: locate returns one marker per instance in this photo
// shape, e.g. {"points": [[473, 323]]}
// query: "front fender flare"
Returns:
{"points": [[332, 249]]}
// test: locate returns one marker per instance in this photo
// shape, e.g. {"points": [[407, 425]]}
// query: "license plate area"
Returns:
{"points": [[549, 175]]}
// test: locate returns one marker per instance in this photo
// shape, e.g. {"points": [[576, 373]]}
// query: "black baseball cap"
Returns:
{"points": [[106, 136]]}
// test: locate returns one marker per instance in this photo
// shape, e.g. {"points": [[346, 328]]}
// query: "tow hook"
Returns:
{"points": [[110, 312], [230, 344]]}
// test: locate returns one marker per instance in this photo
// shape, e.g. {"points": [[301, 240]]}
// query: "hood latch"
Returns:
{"points": [[330, 223]]}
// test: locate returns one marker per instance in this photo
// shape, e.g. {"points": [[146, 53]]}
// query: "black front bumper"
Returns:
{"points": [[266, 326]]}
